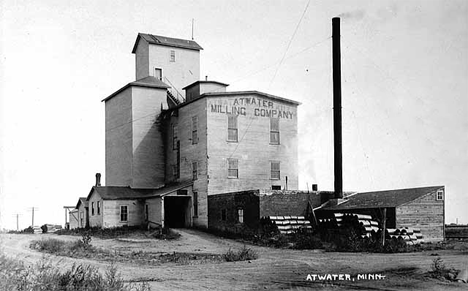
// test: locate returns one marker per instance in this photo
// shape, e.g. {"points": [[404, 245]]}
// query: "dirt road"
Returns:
{"points": [[275, 269]]}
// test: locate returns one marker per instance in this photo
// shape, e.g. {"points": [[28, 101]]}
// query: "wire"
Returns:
{"points": [[290, 41]]}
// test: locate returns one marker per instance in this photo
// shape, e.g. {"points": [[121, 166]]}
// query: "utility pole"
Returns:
{"points": [[17, 222], [33, 209]]}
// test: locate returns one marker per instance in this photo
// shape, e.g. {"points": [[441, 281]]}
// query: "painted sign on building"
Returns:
{"points": [[251, 106]]}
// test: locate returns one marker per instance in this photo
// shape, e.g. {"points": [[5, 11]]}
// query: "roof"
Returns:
{"points": [[81, 200], [380, 199], [126, 192], [166, 41], [147, 82], [204, 82]]}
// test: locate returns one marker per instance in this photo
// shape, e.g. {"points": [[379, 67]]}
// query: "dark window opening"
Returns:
{"points": [[223, 214], [195, 204], [275, 187], [123, 213]]}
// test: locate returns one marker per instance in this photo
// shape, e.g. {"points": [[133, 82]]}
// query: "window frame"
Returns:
{"points": [[272, 170], [92, 208], [194, 129], [235, 162], [172, 56], [275, 130], [441, 197], [195, 203], [99, 208], [195, 170], [233, 127], [124, 213], [240, 215], [175, 133]]}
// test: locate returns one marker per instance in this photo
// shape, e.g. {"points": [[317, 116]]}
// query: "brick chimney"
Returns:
{"points": [[98, 179]]}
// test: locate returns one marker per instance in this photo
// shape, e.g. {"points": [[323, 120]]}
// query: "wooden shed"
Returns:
{"points": [[420, 208]]}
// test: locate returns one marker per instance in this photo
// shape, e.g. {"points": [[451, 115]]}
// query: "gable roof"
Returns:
{"points": [[166, 41], [126, 192], [147, 82], [205, 82], [380, 199], [82, 200]]}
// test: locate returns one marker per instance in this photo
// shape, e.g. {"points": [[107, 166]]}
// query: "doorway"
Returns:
{"points": [[177, 211]]}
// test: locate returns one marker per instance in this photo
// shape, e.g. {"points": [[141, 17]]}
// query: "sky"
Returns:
{"points": [[404, 73]]}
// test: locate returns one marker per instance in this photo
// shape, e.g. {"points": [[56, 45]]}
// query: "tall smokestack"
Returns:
{"points": [[337, 130], [98, 179]]}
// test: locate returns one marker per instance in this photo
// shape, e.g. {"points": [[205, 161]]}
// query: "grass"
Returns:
{"points": [[441, 272], [83, 249], [14, 275]]}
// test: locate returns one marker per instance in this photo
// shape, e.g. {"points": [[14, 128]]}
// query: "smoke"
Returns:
{"points": [[353, 15]]}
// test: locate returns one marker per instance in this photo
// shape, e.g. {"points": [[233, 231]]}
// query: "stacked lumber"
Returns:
{"points": [[290, 224]]}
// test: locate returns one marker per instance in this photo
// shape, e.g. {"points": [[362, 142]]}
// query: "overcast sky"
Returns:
{"points": [[405, 88]]}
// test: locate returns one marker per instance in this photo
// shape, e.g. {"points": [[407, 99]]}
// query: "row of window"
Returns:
{"points": [[233, 169], [233, 131], [98, 208]]}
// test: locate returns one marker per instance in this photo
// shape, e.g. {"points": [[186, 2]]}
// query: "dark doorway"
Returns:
{"points": [[176, 209]]}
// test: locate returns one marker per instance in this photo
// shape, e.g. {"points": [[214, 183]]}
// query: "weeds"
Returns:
{"points": [[14, 275], [440, 271], [244, 254]]}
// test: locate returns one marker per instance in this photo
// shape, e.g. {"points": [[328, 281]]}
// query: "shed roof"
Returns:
{"points": [[81, 200], [126, 192], [380, 199], [147, 82], [166, 41]]}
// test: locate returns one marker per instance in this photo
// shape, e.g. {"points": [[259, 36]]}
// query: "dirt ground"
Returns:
{"points": [[275, 269]]}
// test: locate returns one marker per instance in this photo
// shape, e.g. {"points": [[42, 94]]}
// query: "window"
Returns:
{"points": [[440, 195], [275, 187], [92, 208], [194, 170], [146, 212], [123, 213], [232, 128], [99, 207], [195, 204], [195, 130], [275, 170], [175, 171], [274, 131], [240, 215], [223, 215], [172, 59], [233, 170], [174, 137], [177, 165]]}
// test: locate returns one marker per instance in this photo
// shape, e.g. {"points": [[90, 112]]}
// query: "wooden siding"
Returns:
{"points": [[111, 214], [142, 60], [73, 219], [253, 149], [147, 141], [155, 211], [425, 213], [184, 71], [95, 220], [119, 139]]}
